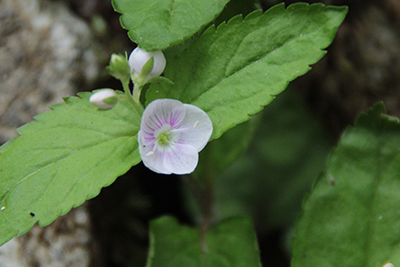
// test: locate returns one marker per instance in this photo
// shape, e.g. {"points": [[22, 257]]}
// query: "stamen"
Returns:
{"points": [[151, 153], [163, 138], [196, 124]]}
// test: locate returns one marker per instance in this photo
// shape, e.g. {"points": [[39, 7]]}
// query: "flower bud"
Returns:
{"points": [[119, 67], [146, 65], [104, 99]]}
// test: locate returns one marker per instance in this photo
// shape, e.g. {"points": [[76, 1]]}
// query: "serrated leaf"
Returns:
{"points": [[236, 7], [232, 243], [352, 216], [63, 158], [159, 24], [237, 69]]}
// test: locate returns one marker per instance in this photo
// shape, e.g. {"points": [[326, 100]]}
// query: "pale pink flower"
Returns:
{"points": [[171, 135]]}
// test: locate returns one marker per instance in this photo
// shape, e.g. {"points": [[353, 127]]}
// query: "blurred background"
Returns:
{"points": [[51, 49]]}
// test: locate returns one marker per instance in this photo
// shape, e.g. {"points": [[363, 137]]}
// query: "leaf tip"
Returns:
{"points": [[378, 108]]}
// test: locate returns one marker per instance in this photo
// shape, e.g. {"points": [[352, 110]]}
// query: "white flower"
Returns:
{"points": [[138, 59], [171, 135], [104, 99]]}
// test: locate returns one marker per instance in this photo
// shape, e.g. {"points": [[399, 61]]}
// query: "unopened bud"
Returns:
{"points": [[146, 65], [119, 67], [104, 99]]}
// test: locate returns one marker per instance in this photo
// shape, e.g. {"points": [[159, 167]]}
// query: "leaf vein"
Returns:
{"points": [[47, 166]]}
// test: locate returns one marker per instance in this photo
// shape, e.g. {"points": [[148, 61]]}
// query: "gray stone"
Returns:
{"points": [[65, 242], [46, 53]]}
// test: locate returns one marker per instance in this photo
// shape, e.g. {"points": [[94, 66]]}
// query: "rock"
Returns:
{"points": [[361, 68], [46, 53], [65, 242]]}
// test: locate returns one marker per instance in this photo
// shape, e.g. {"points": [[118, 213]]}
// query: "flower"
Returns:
{"points": [[104, 99], [171, 135], [141, 66]]}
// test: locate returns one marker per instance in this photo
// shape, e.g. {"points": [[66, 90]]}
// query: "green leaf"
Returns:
{"points": [[232, 243], [352, 216], [237, 7], [220, 153], [269, 181], [159, 24], [234, 71], [63, 158]]}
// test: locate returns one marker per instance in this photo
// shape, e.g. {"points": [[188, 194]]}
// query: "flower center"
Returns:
{"points": [[163, 138]]}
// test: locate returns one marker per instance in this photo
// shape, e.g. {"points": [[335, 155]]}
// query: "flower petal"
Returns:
{"points": [[139, 57], [196, 128], [158, 113], [182, 159], [98, 98], [152, 159], [171, 135]]}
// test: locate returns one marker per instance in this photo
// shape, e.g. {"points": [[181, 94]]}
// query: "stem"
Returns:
{"points": [[136, 92], [204, 195], [125, 85], [136, 104]]}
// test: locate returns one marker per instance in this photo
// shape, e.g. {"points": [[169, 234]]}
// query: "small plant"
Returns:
{"points": [[214, 79]]}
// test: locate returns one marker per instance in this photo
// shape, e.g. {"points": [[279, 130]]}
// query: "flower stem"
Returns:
{"points": [[203, 191], [137, 89], [125, 85], [136, 104]]}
